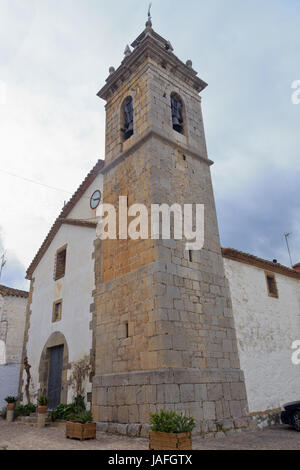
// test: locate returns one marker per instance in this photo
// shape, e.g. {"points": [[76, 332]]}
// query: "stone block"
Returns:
{"points": [[168, 393], [209, 411], [162, 377], [214, 392], [123, 414], [235, 408], [101, 427], [130, 395], [145, 429], [117, 428], [200, 392], [187, 393], [134, 430], [238, 391]]}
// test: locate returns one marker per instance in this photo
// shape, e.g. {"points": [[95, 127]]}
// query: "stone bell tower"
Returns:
{"points": [[164, 333]]}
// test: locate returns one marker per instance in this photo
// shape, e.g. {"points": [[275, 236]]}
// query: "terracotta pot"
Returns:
{"points": [[10, 406], [42, 409], [165, 441], [80, 431]]}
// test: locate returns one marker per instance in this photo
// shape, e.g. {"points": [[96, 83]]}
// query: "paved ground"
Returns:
{"points": [[19, 436]]}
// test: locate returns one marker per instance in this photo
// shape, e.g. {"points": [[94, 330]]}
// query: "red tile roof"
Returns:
{"points": [[242, 257], [5, 291]]}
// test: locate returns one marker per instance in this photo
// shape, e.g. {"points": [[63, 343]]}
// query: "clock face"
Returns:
{"points": [[95, 199]]}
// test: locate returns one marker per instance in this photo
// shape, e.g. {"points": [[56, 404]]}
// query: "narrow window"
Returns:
{"points": [[60, 266], [126, 330], [127, 118], [57, 311], [177, 113], [272, 285], [191, 256]]}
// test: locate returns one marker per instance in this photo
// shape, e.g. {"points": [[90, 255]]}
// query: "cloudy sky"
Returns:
{"points": [[54, 57]]}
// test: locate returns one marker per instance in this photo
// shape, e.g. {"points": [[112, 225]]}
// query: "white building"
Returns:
{"points": [[266, 308], [12, 324], [58, 340]]}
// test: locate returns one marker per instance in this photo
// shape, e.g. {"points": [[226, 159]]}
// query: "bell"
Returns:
{"points": [[177, 126], [129, 131]]}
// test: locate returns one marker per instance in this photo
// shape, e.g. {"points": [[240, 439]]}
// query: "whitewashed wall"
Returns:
{"points": [[9, 382], [266, 328], [12, 324], [75, 289]]}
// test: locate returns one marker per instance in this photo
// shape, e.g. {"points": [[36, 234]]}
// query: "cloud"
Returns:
{"points": [[13, 273], [52, 125]]}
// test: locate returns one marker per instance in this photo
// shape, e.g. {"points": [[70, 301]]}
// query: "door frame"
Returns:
{"points": [[56, 339]]}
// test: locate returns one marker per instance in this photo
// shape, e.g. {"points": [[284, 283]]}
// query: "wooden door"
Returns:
{"points": [[55, 376]]}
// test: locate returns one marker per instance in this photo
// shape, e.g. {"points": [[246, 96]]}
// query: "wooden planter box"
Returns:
{"points": [[10, 406], [166, 441], [80, 431]]}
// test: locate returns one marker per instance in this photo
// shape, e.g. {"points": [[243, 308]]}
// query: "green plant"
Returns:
{"points": [[3, 413], [25, 410], [64, 412], [79, 403], [170, 422], [43, 401], [83, 417], [11, 399], [61, 412]]}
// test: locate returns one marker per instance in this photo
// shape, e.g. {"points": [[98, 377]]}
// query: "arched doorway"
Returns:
{"points": [[54, 364]]}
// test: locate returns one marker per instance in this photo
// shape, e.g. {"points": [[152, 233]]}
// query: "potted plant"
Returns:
{"points": [[43, 405], [11, 401], [80, 426], [170, 431]]}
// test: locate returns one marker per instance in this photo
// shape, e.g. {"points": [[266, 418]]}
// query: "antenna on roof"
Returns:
{"points": [[286, 235], [2, 263]]}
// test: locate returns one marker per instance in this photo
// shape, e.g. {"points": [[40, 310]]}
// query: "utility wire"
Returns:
{"points": [[28, 180], [35, 182]]}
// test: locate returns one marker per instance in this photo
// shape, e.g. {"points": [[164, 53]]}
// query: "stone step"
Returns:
{"points": [[32, 419]]}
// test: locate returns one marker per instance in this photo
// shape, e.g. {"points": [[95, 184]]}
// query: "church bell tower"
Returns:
{"points": [[164, 335]]}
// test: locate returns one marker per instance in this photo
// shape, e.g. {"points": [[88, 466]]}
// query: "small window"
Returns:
{"points": [[190, 256], [126, 330], [177, 113], [57, 311], [272, 285], [127, 118], [60, 267]]}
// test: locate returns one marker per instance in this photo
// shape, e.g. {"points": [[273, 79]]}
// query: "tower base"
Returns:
{"points": [[215, 398]]}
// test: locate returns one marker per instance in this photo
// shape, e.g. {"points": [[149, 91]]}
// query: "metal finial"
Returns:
{"points": [[149, 12], [149, 22]]}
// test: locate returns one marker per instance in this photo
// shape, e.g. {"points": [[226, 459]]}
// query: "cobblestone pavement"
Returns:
{"points": [[19, 436]]}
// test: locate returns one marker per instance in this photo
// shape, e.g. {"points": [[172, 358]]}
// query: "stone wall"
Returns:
{"points": [[12, 324], [181, 350]]}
